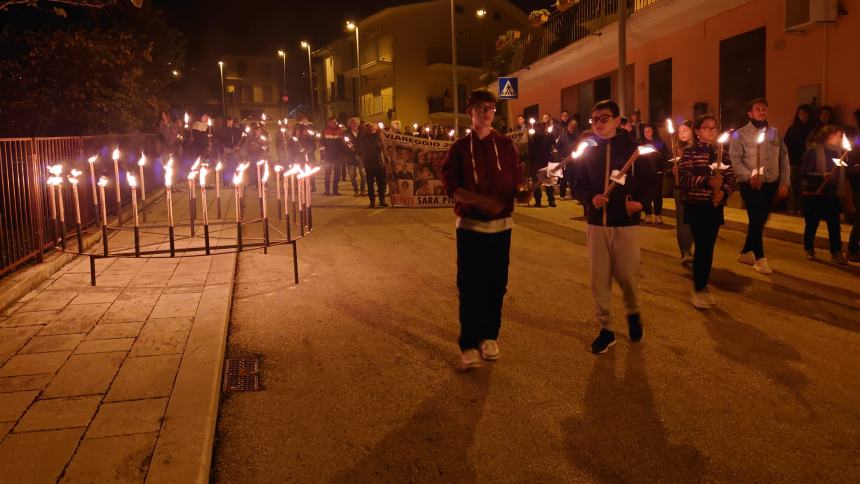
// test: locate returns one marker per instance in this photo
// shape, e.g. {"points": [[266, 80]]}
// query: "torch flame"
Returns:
{"points": [[846, 145], [115, 155], [192, 175], [549, 129], [580, 149], [209, 122], [311, 132], [670, 127], [186, 118], [265, 173], [451, 133], [279, 168], [646, 149], [263, 117], [283, 130], [142, 160], [132, 181], [56, 170], [196, 164], [531, 131], [76, 173], [381, 125], [72, 180], [346, 139], [532, 121], [723, 138], [760, 138], [292, 171], [218, 166], [260, 163], [203, 171], [168, 174], [247, 129], [103, 181], [92, 159]]}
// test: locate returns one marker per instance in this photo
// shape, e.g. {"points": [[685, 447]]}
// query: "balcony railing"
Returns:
{"points": [[587, 17], [442, 55]]}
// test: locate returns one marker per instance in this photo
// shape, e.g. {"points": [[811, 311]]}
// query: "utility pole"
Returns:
{"points": [[622, 55]]}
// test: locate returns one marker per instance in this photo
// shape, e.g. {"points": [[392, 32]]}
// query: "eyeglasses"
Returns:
{"points": [[484, 109], [707, 127], [602, 119]]}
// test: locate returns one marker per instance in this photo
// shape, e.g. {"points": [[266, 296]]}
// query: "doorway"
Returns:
{"points": [[742, 75]]}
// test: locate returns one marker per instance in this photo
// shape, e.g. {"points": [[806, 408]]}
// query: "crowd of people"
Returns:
{"points": [[700, 168]]}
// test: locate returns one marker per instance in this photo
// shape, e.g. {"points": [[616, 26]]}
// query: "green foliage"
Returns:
{"points": [[86, 78]]}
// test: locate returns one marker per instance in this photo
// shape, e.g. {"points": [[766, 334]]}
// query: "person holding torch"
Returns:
{"points": [[706, 181], [823, 185], [760, 162], [612, 184], [482, 173]]}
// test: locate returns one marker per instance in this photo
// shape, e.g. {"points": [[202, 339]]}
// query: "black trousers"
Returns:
{"points": [[854, 238], [376, 175], [704, 220], [759, 203], [815, 209], [550, 193], [332, 176], [655, 190], [565, 182], [482, 280]]}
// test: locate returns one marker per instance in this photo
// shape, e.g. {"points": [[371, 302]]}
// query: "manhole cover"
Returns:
{"points": [[241, 375]]}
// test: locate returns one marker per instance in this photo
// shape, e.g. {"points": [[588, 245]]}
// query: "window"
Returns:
{"points": [[247, 94], [742, 75], [258, 94]]}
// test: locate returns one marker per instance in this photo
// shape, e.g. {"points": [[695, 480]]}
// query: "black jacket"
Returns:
{"points": [[591, 179]]}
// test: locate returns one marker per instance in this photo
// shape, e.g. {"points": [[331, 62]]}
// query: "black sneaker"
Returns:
{"points": [[383, 204], [552, 203], [634, 327], [372, 204], [604, 341]]}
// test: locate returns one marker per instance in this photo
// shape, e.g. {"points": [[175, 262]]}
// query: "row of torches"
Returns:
{"points": [[296, 180]]}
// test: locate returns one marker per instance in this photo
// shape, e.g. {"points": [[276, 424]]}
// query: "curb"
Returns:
{"points": [[183, 451], [21, 282]]}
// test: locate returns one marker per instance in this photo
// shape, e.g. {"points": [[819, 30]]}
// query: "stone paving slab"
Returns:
{"points": [[24, 383], [130, 417], [37, 456], [85, 375], [58, 413], [34, 364], [121, 459], [115, 330], [13, 405], [145, 377]]}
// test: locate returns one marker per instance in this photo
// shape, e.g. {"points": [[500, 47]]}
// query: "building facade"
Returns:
{"points": [[406, 63], [686, 57], [252, 87]]}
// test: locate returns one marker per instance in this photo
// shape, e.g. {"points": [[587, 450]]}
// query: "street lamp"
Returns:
{"points": [[307, 46], [223, 103], [455, 91], [481, 13], [282, 54], [353, 27]]}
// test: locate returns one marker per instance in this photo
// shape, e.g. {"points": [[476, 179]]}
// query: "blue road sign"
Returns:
{"points": [[508, 88]]}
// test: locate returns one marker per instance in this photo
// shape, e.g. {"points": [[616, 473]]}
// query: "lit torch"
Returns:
{"points": [[168, 189], [278, 170], [115, 158], [132, 182], [91, 160], [103, 181], [204, 169]]}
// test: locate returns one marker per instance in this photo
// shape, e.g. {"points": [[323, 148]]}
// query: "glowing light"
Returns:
{"points": [[846, 145], [724, 138], [646, 149], [103, 181], [132, 181], [670, 126], [92, 159], [115, 155], [142, 160], [760, 138]]}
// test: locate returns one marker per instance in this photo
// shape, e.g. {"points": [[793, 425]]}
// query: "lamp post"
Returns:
{"points": [[353, 27], [283, 55], [307, 46], [455, 92], [223, 103]]}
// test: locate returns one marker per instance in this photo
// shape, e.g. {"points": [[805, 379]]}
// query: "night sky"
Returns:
{"points": [[214, 28]]}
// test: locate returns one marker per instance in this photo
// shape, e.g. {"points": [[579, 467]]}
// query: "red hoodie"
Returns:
{"points": [[496, 175]]}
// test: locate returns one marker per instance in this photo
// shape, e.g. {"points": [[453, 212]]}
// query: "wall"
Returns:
{"points": [[821, 56]]}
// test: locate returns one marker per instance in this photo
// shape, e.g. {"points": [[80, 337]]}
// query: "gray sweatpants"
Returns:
{"points": [[613, 253]]}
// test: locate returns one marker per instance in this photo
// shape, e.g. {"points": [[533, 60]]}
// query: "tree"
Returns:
{"points": [[103, 71]]}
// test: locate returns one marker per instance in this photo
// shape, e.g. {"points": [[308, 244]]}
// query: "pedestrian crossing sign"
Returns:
{"points": [[508, 88]]}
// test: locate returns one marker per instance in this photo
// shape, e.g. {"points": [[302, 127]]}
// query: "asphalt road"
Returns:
{"points": [[359, 380]]}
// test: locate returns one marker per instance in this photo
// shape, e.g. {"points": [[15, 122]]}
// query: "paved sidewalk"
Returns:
{"points": [[117, 382]]}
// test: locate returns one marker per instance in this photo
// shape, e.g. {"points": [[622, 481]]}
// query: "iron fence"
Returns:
{"points": [[582, 19], [29, 223]]}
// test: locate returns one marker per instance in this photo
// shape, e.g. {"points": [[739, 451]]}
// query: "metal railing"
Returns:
{"points": [[585, 18], [25, 208], [376, 104]]}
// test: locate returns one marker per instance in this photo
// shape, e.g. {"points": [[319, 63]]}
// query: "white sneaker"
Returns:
{"points": [[659, 220], [699, 301], [763, 267], [709, 298], [470, 358], [490, 350], [747, 258]]}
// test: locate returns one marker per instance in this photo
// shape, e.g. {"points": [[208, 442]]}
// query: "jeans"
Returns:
{"points": [[815, 209], [682, 230], [705, 220], [482, 281], [356, 186], [794, 196], [376, 175], [758, 204], [332, 177]]}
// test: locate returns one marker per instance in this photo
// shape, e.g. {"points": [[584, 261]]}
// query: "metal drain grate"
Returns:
{"points": [[241, 375]]}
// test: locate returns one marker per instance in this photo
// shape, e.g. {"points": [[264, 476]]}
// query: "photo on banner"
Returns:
{"points": [[415, 166]]}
